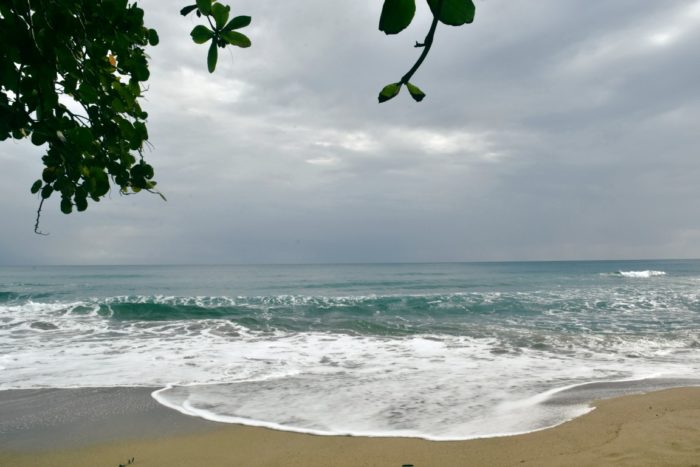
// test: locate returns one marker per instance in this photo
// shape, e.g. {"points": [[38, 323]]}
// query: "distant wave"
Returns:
{"points": [[646, 274], [635, 274], [641, 274]]}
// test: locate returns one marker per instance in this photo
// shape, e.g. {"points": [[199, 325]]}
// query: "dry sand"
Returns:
{"points": [[659, 428]]}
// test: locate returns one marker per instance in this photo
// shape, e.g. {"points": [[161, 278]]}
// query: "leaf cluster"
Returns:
{"points": [[70, 80], [221, 32], [398, 14]]}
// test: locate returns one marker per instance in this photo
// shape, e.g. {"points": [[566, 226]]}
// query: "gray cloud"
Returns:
{"points": [[551, 130]]}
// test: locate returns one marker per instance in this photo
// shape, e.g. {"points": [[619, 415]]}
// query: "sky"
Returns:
{"points": [[551, 130]]}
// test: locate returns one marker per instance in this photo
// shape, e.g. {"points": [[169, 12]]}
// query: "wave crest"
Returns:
{"points": [[641, 274]]}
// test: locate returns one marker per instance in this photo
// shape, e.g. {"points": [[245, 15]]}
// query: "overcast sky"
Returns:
{"points": [[552, 129]]}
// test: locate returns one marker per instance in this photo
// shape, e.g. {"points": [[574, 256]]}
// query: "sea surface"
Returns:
{"points": [[439, 351]]}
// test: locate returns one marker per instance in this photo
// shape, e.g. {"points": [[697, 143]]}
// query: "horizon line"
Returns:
{"points": [[350, 263]]}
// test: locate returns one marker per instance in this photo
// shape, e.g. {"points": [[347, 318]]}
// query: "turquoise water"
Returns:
{"points": [[443, 351]]}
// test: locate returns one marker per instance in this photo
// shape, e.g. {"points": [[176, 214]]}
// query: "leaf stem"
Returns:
{"points": [[425, 45], [213, 29]]}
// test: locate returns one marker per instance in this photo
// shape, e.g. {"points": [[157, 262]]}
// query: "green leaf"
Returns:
{"points": [[66, 206], [81, 137], [153, 37], [204, 6], [200, 34], [454, 12], [415, 91], [389, 92], [117, 105], [46, 191], [220, 14], [148, 171], [49, 174], [140, 134], [99, 183], [187, 10], [237, 23], [38, 137], [140, 71], [81, 203], [87, 93], [36, 187], [396, 15], [236, 38], [212, 56]]}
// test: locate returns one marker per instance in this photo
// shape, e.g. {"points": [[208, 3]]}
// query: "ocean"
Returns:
{"points": [[438, 351]]}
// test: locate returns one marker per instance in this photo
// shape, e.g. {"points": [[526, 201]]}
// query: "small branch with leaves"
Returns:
{"points": [[398, 14], [221, 32]]}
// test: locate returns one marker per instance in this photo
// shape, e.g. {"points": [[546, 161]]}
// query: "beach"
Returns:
{"points": [[364, 364], [118, 424]]}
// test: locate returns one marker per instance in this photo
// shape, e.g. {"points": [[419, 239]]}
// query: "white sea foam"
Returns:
{"points": [[339, 416], [641, 274], [433, 391], [429, 385]]}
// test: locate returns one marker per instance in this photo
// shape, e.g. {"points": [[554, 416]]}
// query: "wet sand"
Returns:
{"points": [[108, 426], [43, 419]]}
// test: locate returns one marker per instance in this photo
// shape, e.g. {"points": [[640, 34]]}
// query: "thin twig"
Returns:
{"points": [[210, 23], [31, 26], [425, 45], [38, 216], [75, 116]]}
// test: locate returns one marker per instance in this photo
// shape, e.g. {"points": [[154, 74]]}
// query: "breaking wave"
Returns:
{"points": [[641, 274]]}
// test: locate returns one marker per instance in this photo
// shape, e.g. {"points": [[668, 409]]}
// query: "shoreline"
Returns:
{"points": [[579, 399], [107, 426]]}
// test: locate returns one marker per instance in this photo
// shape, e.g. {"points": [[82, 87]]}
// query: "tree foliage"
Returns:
{"points": [[72, 74]]}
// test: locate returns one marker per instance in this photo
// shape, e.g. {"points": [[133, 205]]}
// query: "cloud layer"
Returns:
{"points": [[553, 130]]}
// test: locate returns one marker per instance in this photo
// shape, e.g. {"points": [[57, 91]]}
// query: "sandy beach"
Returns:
{"points": [[109, 426]]}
